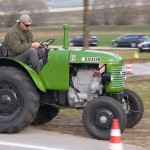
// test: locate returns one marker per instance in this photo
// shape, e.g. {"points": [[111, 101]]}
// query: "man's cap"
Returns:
{"points": [[26, 19]]}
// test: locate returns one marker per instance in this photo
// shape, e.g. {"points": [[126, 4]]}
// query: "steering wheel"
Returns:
{"points": [[46, 43]]}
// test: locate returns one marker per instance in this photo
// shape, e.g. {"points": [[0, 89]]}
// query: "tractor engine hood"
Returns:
{"points": [[94, 57]]}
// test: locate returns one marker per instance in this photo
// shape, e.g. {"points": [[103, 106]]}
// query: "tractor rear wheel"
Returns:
{"points": [[98, 115], [19, 100]]}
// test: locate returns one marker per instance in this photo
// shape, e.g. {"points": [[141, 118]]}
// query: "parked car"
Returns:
{"points": [[144, 46], [78, 40], [129, 40]]}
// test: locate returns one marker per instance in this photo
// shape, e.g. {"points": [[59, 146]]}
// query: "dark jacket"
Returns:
{"points": [[18, 40]]}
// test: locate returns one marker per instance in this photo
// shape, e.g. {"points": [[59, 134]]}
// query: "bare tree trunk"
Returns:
{"points": [[86, 24]]}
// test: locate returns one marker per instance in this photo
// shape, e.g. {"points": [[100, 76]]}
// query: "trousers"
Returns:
{"points": [[30, 57]]}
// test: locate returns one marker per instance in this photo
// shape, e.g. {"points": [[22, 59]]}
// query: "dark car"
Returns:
{"points": [[79, 40], [129, 40], [144, 46]]}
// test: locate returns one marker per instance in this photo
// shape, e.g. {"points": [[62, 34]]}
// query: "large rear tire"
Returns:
{"points": [[19, 100], [45, 114], [135, 106], [98, 115]]}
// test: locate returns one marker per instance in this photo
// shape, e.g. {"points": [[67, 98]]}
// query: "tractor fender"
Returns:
{"points": [[26, 68]]}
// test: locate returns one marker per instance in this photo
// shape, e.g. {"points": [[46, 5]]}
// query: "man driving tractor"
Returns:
{"points": [[20, 45]]}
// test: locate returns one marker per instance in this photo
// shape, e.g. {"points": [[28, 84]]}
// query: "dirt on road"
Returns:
{"points": [[139, 135]]}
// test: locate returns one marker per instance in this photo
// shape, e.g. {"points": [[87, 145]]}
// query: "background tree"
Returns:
{"points": [[102, 12], [13, 9], [86, 24], [124, 11], [119, 12], [145, 10]]}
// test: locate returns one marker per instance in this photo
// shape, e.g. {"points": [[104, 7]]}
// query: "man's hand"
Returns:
{"points": [[45, 43], [36, 45]]}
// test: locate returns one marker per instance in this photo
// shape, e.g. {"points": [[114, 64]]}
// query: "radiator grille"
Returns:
{"points": [[118, 77]]}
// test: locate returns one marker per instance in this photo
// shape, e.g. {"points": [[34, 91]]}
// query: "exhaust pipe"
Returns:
{"points": [[65, 43]]}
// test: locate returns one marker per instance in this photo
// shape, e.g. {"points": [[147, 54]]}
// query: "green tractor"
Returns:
{"points": [[70, 78]]}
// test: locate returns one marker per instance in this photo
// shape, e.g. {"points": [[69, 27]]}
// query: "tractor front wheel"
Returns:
{"points": [[98, 115]]}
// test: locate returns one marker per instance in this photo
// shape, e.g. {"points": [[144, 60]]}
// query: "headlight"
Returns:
{"points": [[107, 77]]}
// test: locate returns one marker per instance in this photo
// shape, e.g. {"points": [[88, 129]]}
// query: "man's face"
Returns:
{"points": [[24, 26]]}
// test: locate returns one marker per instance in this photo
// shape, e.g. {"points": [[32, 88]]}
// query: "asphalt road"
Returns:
{"points": [[139, 69], [36, 139]]}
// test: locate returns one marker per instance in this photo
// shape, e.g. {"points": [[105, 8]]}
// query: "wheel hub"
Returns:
{"points": [[7, 100], [103, 118], [10, 104]]}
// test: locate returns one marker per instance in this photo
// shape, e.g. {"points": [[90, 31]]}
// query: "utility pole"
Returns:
{"points": [[86, 24]]}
